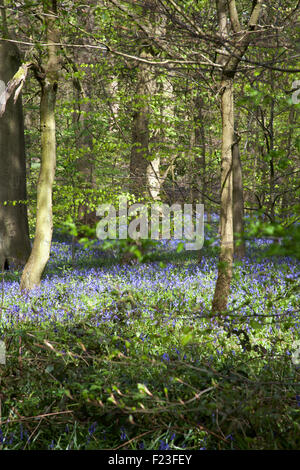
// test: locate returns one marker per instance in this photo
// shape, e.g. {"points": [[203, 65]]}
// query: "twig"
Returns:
{"points": [[35, 417]]}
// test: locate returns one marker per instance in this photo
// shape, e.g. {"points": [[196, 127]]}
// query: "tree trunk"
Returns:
{"points": [[238, 201], [40, 253], [142, 172], [222, 288], [83, 125], [200, 145], [14, 233], [145, 178], [272, 171], [230, 63]]}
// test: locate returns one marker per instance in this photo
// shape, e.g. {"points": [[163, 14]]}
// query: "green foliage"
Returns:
{"points": [[96, 382], [129, 250], [286, 238]]}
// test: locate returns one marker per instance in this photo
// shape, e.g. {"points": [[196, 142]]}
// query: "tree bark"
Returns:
{"points": [[144, 179], [229, 63], [14, 233], [222, 288], [200, 145], [238, 201], [40, 253], [83, 126]]}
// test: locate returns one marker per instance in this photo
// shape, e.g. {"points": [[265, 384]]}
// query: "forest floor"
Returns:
{"points": [[128, 356]]}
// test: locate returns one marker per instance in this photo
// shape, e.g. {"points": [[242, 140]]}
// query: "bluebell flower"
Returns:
{"points": [[123, 434], [163, 445], [21, 432], [92, 428]]}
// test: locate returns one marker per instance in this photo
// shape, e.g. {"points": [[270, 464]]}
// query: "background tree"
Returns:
{"points": [[109, 52]]}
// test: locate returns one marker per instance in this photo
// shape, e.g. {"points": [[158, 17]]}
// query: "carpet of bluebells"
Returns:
{"points": [[107, 354]]}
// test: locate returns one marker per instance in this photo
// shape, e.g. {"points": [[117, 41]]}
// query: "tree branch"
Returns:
{"points": [[15, 84], [234, 17]]}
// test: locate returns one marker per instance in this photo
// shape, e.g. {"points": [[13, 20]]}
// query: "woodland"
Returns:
{"points": [[142, 343]]}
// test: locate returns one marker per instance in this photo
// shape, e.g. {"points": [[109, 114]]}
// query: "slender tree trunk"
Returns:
{"points": [[14, 233], [83, 124], [272, 171], [238, 201], [145, 177], [40, 253], [222, 288], [230, 63], [159, 139], [144, 174], [153, 178], [200, 145], [85, 163]]}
